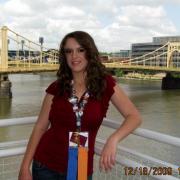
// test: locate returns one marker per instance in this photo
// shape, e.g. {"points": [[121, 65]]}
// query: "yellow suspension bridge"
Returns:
{"points": [[34, 57], [29, 56], [166, 59]]}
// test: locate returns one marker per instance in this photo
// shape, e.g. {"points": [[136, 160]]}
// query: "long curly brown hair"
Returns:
{"points": [[96, 71]]}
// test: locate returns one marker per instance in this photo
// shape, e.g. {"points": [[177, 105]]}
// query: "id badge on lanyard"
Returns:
{"points": [[78, 143], [77, 156], [77, 139]]}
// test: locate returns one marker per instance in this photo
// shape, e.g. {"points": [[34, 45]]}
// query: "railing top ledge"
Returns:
{"points": [[160, 137], [17, 121]]}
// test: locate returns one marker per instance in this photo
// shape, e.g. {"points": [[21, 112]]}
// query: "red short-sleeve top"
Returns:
{"points": [[52, 149]]}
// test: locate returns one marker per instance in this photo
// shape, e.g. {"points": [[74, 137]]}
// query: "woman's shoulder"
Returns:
{"points": [[110, 80], [110, 83], [53, 88]]}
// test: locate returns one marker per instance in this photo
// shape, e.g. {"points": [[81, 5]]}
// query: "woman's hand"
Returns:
{"points": [[25, 175], [108, 154]]}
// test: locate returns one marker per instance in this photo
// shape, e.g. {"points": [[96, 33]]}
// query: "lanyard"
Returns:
{"points": [[78, 157], [78, 108]]}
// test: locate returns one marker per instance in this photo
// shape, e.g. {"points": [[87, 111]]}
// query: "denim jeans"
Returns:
{"points": [[41, 172]]}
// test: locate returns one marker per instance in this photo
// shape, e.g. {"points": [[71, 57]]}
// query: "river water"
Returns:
{"points": [[159, 110]]}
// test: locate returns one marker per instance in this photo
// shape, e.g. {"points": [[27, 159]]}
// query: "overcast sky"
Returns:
{"points": [[114, 24]]}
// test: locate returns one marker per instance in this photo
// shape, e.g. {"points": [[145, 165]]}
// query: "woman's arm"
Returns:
{"points": [[131, 121], [40, 127]]}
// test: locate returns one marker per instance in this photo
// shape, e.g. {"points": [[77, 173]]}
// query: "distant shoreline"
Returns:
{"points": [[137, 76]]}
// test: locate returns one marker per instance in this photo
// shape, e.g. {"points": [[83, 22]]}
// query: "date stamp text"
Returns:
{"points": [[147, 171]]}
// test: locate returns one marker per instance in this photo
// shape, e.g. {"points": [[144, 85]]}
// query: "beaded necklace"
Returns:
{"points": [[78, 109]]}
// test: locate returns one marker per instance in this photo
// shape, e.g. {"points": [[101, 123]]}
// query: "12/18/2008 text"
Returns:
{"points": [[147, 171]]}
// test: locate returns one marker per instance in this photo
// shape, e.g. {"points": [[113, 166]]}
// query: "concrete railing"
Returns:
{"points": [[7, 150]]}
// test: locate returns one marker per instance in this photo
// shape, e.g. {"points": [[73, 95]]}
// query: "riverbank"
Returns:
{"points": [[141, 76]]}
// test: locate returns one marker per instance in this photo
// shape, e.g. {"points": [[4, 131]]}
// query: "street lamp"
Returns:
{"points": [[8, 42], [41, 41], [22, 45]]}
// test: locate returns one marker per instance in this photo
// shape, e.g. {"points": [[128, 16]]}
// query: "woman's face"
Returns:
{"points": [[75, 55]]}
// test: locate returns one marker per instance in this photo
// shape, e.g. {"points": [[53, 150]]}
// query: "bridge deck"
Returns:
{"points": [[25, 68]]}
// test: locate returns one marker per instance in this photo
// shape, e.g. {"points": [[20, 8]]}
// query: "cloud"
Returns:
{"points": [[150, 3], [136, 24], [16, 8], [113, 24], [146, 18]]}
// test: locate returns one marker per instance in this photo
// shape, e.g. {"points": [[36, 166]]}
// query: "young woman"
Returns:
{"points": [[81, 76]]}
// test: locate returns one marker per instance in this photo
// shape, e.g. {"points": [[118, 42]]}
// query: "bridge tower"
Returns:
{"points": [[172, 46], [5, 84], [3, 48], [170, 82]]}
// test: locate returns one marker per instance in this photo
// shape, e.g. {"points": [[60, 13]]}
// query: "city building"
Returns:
{"points": [[120, 55], [139, 49], [12, 54]]}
